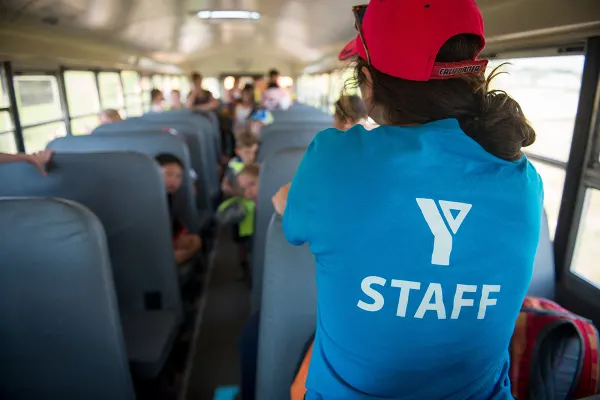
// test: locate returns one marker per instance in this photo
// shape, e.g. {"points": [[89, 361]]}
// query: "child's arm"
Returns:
{"points": [[226, 187], [38, 160], [187, 246]]}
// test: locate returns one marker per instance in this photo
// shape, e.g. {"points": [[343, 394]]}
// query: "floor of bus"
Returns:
{"points": [[224, 309]]}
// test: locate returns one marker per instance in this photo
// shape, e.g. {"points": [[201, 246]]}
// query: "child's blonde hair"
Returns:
{"points": [[245, 139], [251, 169]]}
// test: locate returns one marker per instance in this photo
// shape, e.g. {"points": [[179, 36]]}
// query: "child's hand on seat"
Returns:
{"points": [[280, 198]]}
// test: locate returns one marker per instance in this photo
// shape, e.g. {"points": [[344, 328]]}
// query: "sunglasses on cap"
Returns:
{"points": [[359, 14]]}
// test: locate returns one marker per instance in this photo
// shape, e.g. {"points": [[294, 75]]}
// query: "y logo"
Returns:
{"points": [[442, 238]]}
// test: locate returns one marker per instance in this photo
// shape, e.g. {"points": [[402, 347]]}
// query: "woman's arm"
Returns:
{"points": [[280, 198], [38, 160]]}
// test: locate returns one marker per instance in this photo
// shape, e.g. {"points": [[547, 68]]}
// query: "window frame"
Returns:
{"points": [[582, 172], [19, 133]]}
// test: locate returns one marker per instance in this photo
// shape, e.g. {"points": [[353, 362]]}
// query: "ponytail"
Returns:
{"points": [[490, 117]]}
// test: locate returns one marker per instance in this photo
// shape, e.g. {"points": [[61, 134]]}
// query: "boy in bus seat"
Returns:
{"points": [[239, 211], [39, 159], [185, 244], [157, 100], [110, 115], [246, 147], [176, 103]]}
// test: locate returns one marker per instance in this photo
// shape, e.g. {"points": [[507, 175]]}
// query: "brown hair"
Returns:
{"points": [[490, 117], [350, 107], [245, 139], [112, 114], [251, 169], [195, 76]]}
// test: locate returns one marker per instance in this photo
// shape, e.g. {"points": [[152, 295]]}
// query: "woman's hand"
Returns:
{"points": [[40, 159], [280, 199]]}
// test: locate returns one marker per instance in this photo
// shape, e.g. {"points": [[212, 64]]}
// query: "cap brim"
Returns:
{"points": [[350, 50]]}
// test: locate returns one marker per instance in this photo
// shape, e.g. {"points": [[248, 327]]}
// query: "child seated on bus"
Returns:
{"points": [[109, 115], [185, 244], [239, 211], [246, 146], [258, 120]]}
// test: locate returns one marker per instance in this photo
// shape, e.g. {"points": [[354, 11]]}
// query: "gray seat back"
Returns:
{"points": [[195, 140], [288, 312], [275, 139], [188, 123], [275, 171], [126, 192], [544, 273], [61, 334], [150, 144]]}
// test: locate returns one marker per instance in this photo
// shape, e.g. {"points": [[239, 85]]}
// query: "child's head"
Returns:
{"points": [[349, 111], [259, 119], [246, 146], [156, 96], [109, 115], [175, 99], [172, 169], [248, 181]]}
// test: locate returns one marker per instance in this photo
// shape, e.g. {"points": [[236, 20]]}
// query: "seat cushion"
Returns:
{"points": [[149, 337]]}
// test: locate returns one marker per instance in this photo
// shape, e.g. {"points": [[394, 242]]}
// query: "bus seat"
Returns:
{"points": [[274, 138], [195, 140], [544, 273], [199, 122], [61, 334], [288, 312], [126, 192], [276, 170], [201, 119], [151, 144]]}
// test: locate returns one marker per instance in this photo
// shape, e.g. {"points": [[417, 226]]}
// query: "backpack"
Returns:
{"points": [[554, 353]]}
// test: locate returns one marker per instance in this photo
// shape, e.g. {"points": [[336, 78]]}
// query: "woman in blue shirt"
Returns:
{"points": [[425, 229]]}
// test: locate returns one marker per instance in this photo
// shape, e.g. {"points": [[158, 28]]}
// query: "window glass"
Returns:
{"points": [[212, 85], [157, 82], [5, 121], [133, 106], [131, 82], [145, 84], [7, 143], [111, 93], [554, 181], [37, 138], [587, 251], [82, 93], [175, 83], [184, 87], [3, 92], [84, 125], [37, 99], [547, 88]]}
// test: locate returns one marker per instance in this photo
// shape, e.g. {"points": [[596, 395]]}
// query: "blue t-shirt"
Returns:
{"points": [[424, 245]]}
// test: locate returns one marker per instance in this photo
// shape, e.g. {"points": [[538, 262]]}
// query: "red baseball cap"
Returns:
{"points": [[404, 37]]}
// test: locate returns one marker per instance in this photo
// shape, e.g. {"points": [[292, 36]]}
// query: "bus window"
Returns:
{"points": [[146, 85], [84, 125], [547, 88], [184, 87], [7, 136], [82, 93], [212, 85], [587, 251], [37, 137], [38, 104], [111, 92], [132, 89]]}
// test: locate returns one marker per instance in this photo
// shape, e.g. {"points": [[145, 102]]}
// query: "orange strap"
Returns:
{"points": [[298, 389]]}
